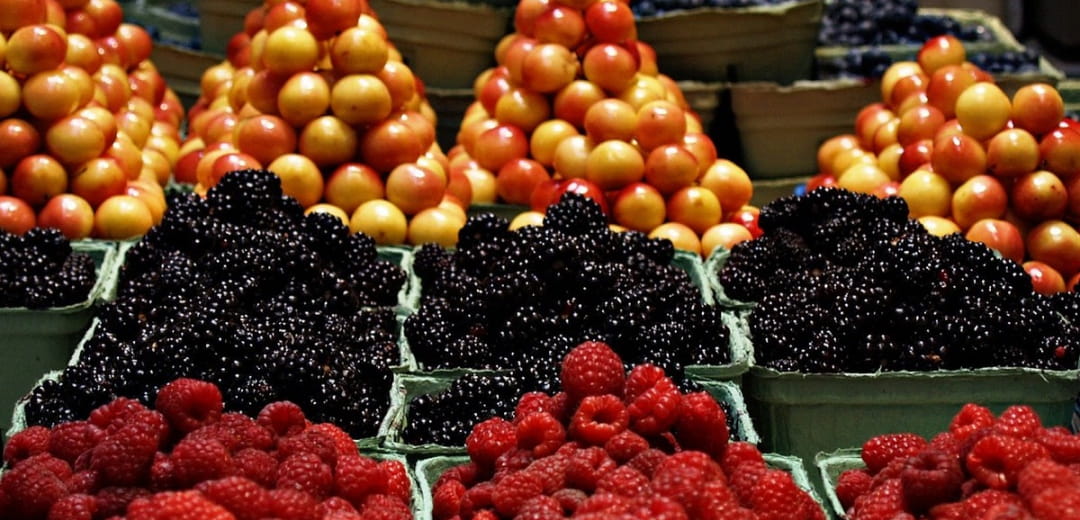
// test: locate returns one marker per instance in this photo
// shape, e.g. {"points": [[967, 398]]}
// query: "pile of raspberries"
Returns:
{"points": [[188, 460], [983, 468], [614, 446]]}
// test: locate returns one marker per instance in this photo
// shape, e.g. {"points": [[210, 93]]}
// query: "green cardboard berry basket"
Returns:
{"points": [[409, 386], [429, 470], [763, 43], [712, 266], [830, 466], [39, 340]]}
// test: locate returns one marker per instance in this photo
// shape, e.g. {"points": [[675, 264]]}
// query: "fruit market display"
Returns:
{"points": [[967, 158], [314, 92], [614, 444], [522, 299], [243, 290], [888, 22], [983, 467], [845, 282], [38, 270], [577, 104], [89, 128], [189, 459]]}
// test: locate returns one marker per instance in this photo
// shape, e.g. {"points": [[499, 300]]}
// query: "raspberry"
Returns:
{"points": [[242, 497], [115, 413], [678, 482], [196, 460], [356, 477], [1064, 447], [852, 484], [257, 465], [490, 439], [975, 506], [1044, 474], [309, 441], [476, 498], [530, 403], [189, 404], [69, 440], [183, 505], [446, 499], [73, 507], [1057, 503], [599, 418], [247, 432], [511, 462], [953, 511], [306, 472], [385, 507], [658, 507], [485, 515], [970, 418], [739, 453], [162, 473], [561, 407], [647, 461], [85, 482], [1007, 512], [930, 478], [27, 443], [335, 505], [466, 474], [652, 400], [879, 451], [31, 489], [1018, 421], [290, 504], [569, 499], [946, 442], [53, 465], [342, 441], [884, 502], [610, 505], [592, 368], [586, 467], [540, 508], [341, 515], [113, 501], [996, 461], [283, 418], [624, 481], [514, 490], [702, 425], [625, 446], [714, 500], [774, 496], [695, 459], [540, 433], [396, 480], [551, 471], [124, 457]]}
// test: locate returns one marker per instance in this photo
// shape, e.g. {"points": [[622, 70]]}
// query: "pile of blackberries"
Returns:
{"points": [[38, 270], [888, 22], [846, 282], [243, 290], [522, 299], [448, 416]]}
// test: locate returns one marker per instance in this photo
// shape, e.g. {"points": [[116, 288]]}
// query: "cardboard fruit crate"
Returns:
{"points": [[763, 43], [429, 470], [446, 44], [804, 414], [410, 386], [39, 340]]}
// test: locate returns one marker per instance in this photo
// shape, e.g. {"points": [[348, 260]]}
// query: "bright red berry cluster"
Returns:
{"points": [[984, 468], [188, 460], [613, 445]]}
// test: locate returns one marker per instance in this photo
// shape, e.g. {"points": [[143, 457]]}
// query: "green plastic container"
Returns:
{"points": [[409, 386], [428, 472], [830, 466], [761, 43], [37, 341], [804, 414]]}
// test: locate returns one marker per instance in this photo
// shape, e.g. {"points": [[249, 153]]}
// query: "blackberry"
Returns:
{"points": [[38, 270], [519, 300], [242, 290], [846, 282], [448, 416]]}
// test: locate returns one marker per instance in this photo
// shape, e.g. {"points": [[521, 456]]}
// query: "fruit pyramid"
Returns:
{"points": [[88, 126], [576, 103], [315, 92], [967, 158]]}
